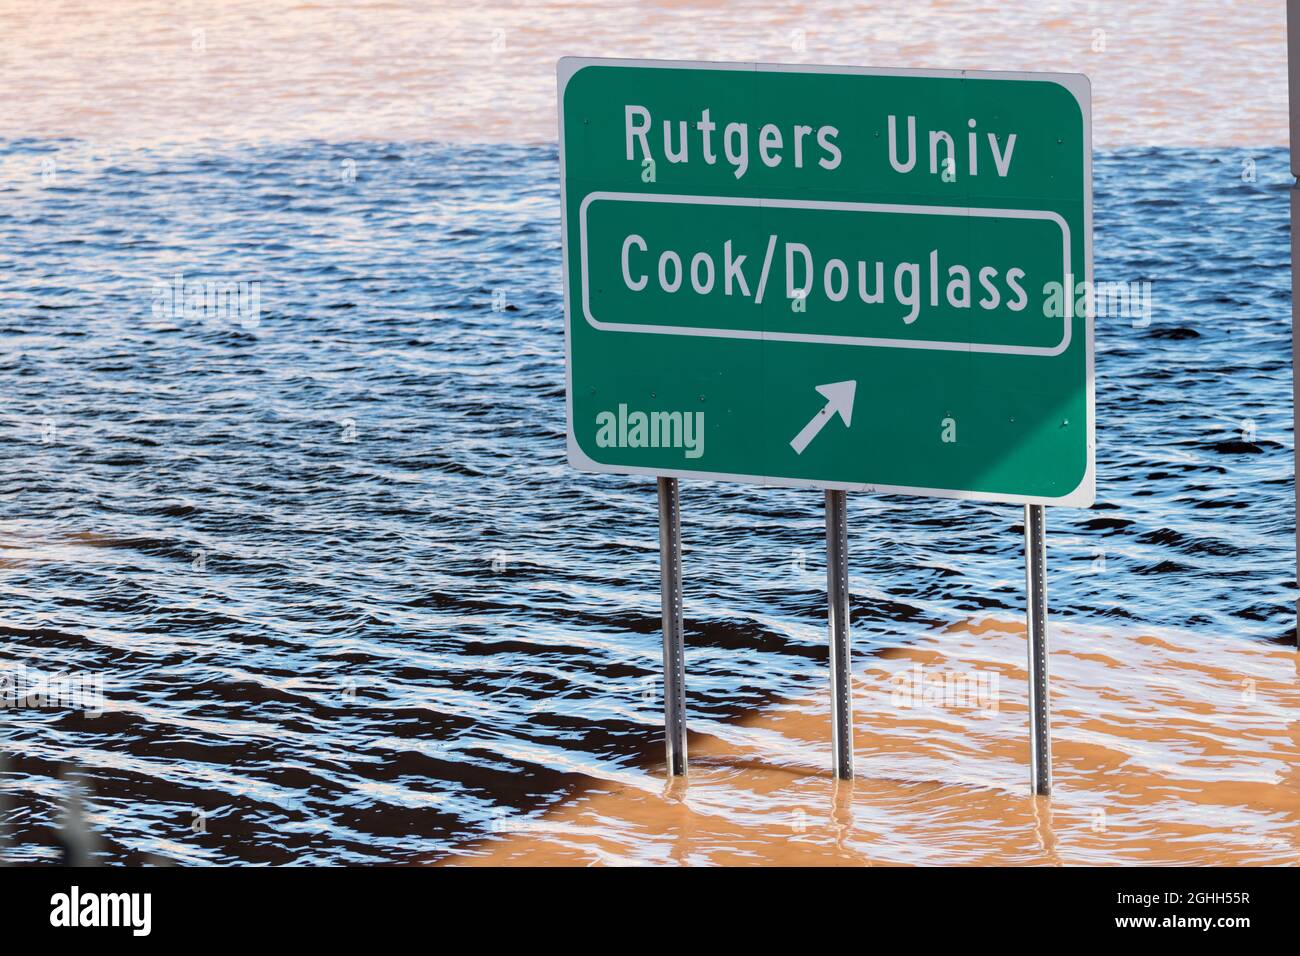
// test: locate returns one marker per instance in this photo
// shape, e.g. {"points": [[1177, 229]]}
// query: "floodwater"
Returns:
{"points": [[1164, 72], [349, 603], [1161, 756]]}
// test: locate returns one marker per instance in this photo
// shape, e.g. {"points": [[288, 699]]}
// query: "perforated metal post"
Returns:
{"points": [[670, 568], [1040, 739], [837, 594]]}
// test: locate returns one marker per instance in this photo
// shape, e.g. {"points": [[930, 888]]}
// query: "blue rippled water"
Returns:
{"points": [[349, 601]]}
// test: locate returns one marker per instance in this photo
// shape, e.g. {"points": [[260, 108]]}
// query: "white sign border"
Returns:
{"points": [[1077, 84]]}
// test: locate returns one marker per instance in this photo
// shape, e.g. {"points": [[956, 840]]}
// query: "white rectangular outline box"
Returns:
{"points": [[954, 211]]}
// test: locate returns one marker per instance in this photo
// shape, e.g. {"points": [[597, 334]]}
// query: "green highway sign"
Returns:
{"points": [[828, 276]]}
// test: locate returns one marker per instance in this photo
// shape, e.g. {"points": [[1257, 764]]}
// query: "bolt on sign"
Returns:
{"points": [[828, 276]]}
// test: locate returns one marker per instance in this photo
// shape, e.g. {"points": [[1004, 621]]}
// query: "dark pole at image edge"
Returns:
{"points": [[670, 589], [1293, 95]]}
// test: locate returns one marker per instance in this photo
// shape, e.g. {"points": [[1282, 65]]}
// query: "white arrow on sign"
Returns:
{"points": [[839, 398]]}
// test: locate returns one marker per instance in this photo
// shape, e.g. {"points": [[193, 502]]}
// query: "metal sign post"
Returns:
{"points": [[837, 593], [670, 573], [1040, 736]]}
